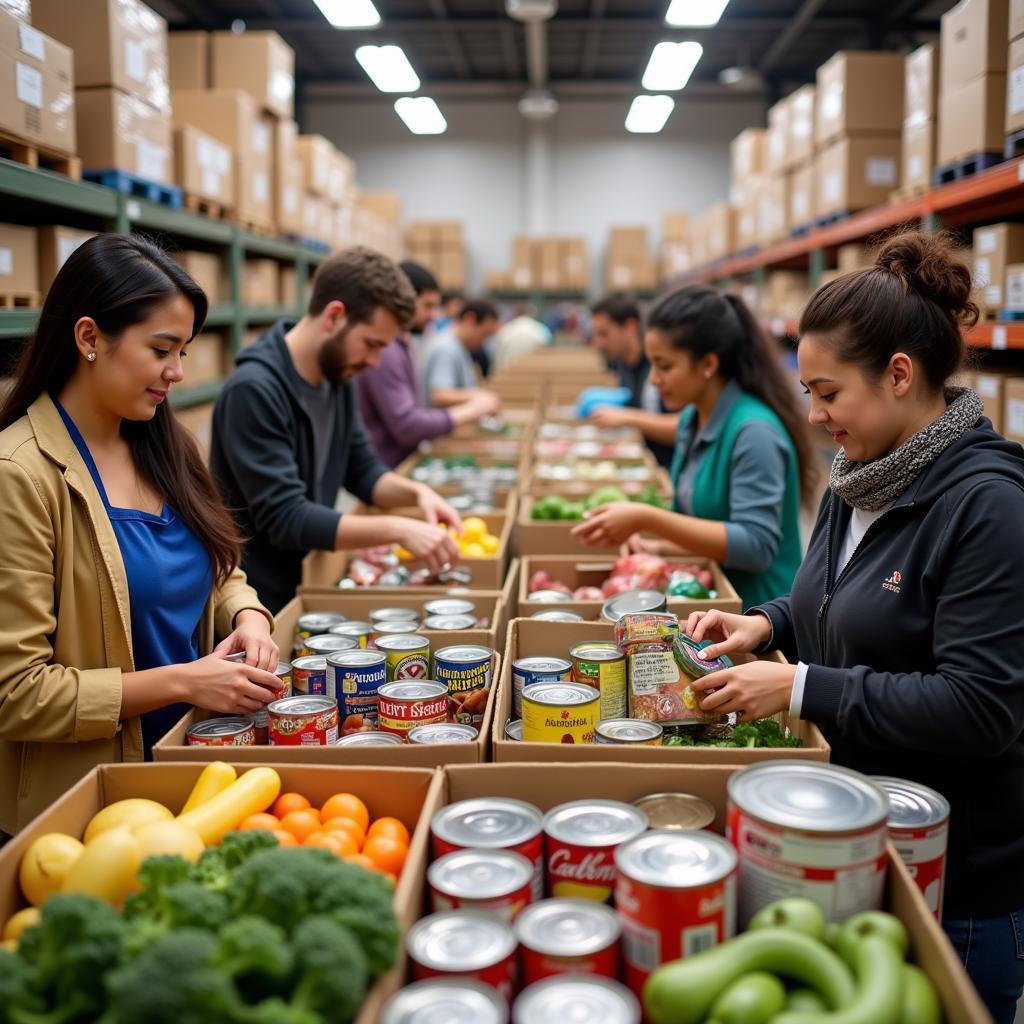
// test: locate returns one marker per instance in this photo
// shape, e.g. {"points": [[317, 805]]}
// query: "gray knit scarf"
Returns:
{"points": [[871, 486]]}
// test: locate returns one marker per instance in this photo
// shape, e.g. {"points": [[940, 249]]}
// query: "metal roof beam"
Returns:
{"points": [[801, 19]]}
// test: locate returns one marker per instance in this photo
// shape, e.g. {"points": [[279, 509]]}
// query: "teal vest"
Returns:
{"points": [[711, 497]]}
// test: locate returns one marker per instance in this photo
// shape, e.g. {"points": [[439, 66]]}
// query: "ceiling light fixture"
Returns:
{"points": [[349, 13], [686, 13], [648, 114], [389, 68], [671, 65], [421, 115]]}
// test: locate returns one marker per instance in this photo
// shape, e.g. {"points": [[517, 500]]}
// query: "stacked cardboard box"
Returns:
{"points": [[378, 222], [260, 282], [56, 244], [719, 229], [1014, 298], [972, 102], [784, 294], [19, 264], [287, 186], [747, 158], [628, 262], [209, 270], [1015, 70], [676, 244], [996, 248], [780, 199], [439, 246], [329, 192], [920, 113], [122, 96]]}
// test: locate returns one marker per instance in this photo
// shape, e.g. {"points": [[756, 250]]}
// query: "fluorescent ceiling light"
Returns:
{"points": [[695, 12], [389, 68], [648, 114], [421, 115], [349, 13], [671, 65]]}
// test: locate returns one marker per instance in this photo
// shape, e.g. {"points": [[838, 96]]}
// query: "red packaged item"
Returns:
{"points": [[568, 937], [647, 628]]}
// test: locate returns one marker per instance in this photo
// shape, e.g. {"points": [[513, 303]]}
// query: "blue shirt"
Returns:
{"points": [[169, 580]]}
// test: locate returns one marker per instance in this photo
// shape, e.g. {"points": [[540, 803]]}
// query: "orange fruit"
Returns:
{"points": [[341, 844], [347, 825], [345, 805], [302, 823], [264, 821], [362, 860], [285, 839], [390, 827], [387, 853], [288, 802]]}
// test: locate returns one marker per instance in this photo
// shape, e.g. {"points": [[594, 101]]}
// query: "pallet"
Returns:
{"points": [[908, 192], [306, 242], [19, 300], [252, 226], [40, 158], [141, 188], [1014, 145], [966, 168], [1015, 315], [802, 230], [207, 207], [831, 218]]}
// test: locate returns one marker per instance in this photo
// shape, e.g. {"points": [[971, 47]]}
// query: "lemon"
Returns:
{"points": [[573, 890], [401, 554], [490, 543], [474, 528], [474, 550]]}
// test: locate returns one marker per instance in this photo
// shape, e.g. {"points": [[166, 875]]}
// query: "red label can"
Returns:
{"points": [[303, 722], [675, 893], [232, 731], [406, 703], [500, 881], [567, 937]]}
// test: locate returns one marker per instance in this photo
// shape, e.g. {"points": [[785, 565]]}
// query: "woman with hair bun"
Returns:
{"points": [[903, 627]]}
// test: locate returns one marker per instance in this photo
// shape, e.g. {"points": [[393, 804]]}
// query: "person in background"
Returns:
{"points": [[617, 333], [391, 397], [519, 336], [119, 567], [449, 375], [912, 664], [451, 307], [743, 459], [286, 434]]}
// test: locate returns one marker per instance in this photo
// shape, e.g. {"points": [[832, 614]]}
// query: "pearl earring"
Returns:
{"points": [[707, 375], [91, 357]]}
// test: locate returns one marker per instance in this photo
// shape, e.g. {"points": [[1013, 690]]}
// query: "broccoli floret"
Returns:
{"points": [[17, 1000], [746, 734], [287, 886], [255, 954], [183, 905], [218, 863], [680, 739], [772, 734], [332, 970], [77, 941]]}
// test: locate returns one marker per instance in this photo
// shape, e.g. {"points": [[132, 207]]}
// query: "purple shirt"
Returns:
{"points": [[392, 407]]}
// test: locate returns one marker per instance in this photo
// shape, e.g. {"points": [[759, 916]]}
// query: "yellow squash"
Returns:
{"points": [[251, 793], [214, 779]]}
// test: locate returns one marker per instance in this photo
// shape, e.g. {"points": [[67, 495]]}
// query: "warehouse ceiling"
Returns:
{"points": [[594, 47]]}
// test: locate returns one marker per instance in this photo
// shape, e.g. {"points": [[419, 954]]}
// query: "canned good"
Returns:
{"points": [[690, 660], [560, 713], [500, 881], [387, 630], [633, 602], [406, 656], [648, 628], [678, 812], [379, 615], [549, 597], [407, 703], [564, 936], [369, 738], [568, 998], [633, 732], [309, 675], [238, 657], [580, 842], [918, 826], [358, 631], [259, 719], [353, 678], [492, 824], [314, 624], [449, 623], [813, 830], [464, 943], [450, 606], [514, 729], [602, 665], [555, 615], [444, 732], [466, 668], [327, 643], [232, 731], [527, 671], [303, 722], [447, 1000], [675, 893]]}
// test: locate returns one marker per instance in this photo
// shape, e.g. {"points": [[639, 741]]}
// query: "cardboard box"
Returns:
{"points": [[572, 258], [746, 214], [802, 195], [1015, 88], [316, 154], [1014, 298], [1016, 19], [802, 107], [777, 138], [288, 177], [854, 256], [773, 209], [117, 43], [1013, 409], [855, 95], [37, 100], [56, 244], [974, 38], [451, 269], [995, 247], [550, 263], [972, 119], [209, 270], [260, 283], [188, 60], [675, 226], [854, 173], [230, 117], [198, 421], [629, 241], [676, 259], [785, 293], [991, 390], [921, 84], [20, 9], [19, 262], [919, 146], [261, 63], [118, 131], [342, 182], [206, 362], [747, 157], [203, 167], [721, 230], [288, 286]]}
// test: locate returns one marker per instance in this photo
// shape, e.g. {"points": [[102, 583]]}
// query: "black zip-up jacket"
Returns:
{"points": [[916, 654], [262, 458]]}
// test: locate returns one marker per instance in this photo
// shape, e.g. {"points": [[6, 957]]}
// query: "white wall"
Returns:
{"points": [[600, 175]]}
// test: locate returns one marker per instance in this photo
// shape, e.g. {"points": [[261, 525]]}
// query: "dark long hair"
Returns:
{"points": [[118, 280], [701, 320]]}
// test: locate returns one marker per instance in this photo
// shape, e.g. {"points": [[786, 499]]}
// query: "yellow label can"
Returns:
{"points": [[560, 713], [602, 665]]}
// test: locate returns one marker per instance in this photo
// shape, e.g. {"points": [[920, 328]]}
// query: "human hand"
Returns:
{"points": [[230, 687], [637, 545], [610, 525], [488, 403], [436, 510], [252, 635], [756, 689], [728, 632], [609, 416], [429, 542]]}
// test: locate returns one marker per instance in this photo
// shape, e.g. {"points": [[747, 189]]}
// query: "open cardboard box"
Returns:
{"points": [[575, 572], [547, 786], [522, 422], [528, 638], [412, 795]]}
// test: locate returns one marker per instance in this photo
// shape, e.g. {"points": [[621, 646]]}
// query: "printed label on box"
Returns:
{"points": [[150, 160], [32, 42], [260, 137], [260, 188], [291, 199], [282, 85], [982, 270], [832, 187], [984, 241], [832, 102], [800, 204], [1017, 90], [993, 295], [1015, 417], [1015, 291], [135, 60], [65, 247], [211, 182], [988, 387], [880, 171], [6, 261], [29, 85], [206, 155], [915, 167]]}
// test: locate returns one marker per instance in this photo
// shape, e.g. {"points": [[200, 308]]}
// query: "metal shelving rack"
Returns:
{"points": [[35, 197]]}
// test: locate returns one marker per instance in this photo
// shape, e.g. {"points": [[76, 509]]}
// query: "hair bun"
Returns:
{"points": [[930, 265]]}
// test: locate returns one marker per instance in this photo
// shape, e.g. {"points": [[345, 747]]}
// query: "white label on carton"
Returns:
{"points": [[915, 167], [260, 137], [1015, 417], [994, 295], [832, 188], [282, 85], [32, 42], [1017, 90], [1015, 291], [800, 205], [880, 171], [6, 262], [65, 247], [832, 102], [260, 188], [291, 199], [982, 271], [984, 241], [29, 85], [999, 336], [211, 182], [206, 155], [987, 387], [150, 160], [135, 60]]}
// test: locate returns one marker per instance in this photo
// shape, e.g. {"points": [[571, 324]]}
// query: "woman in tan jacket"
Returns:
{"points": [[118, 564]]}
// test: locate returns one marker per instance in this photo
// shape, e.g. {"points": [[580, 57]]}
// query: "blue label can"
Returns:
{"points": [[309, 676], [353, 678]]}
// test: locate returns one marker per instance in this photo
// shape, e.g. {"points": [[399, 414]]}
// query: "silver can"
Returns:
{"points": [[370, 738], [679, 812], [450, 606], [384, 631], [527, 671], [556, 615], [328, 643], [514, 729], [549, 597], [568, 936], [379, 615], [447, 1000], [444, 732], [314, 624], [568, 997], [633, 732], [238, 657], [496, 880], [361, 632], [633, 602], [449, 622]]}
